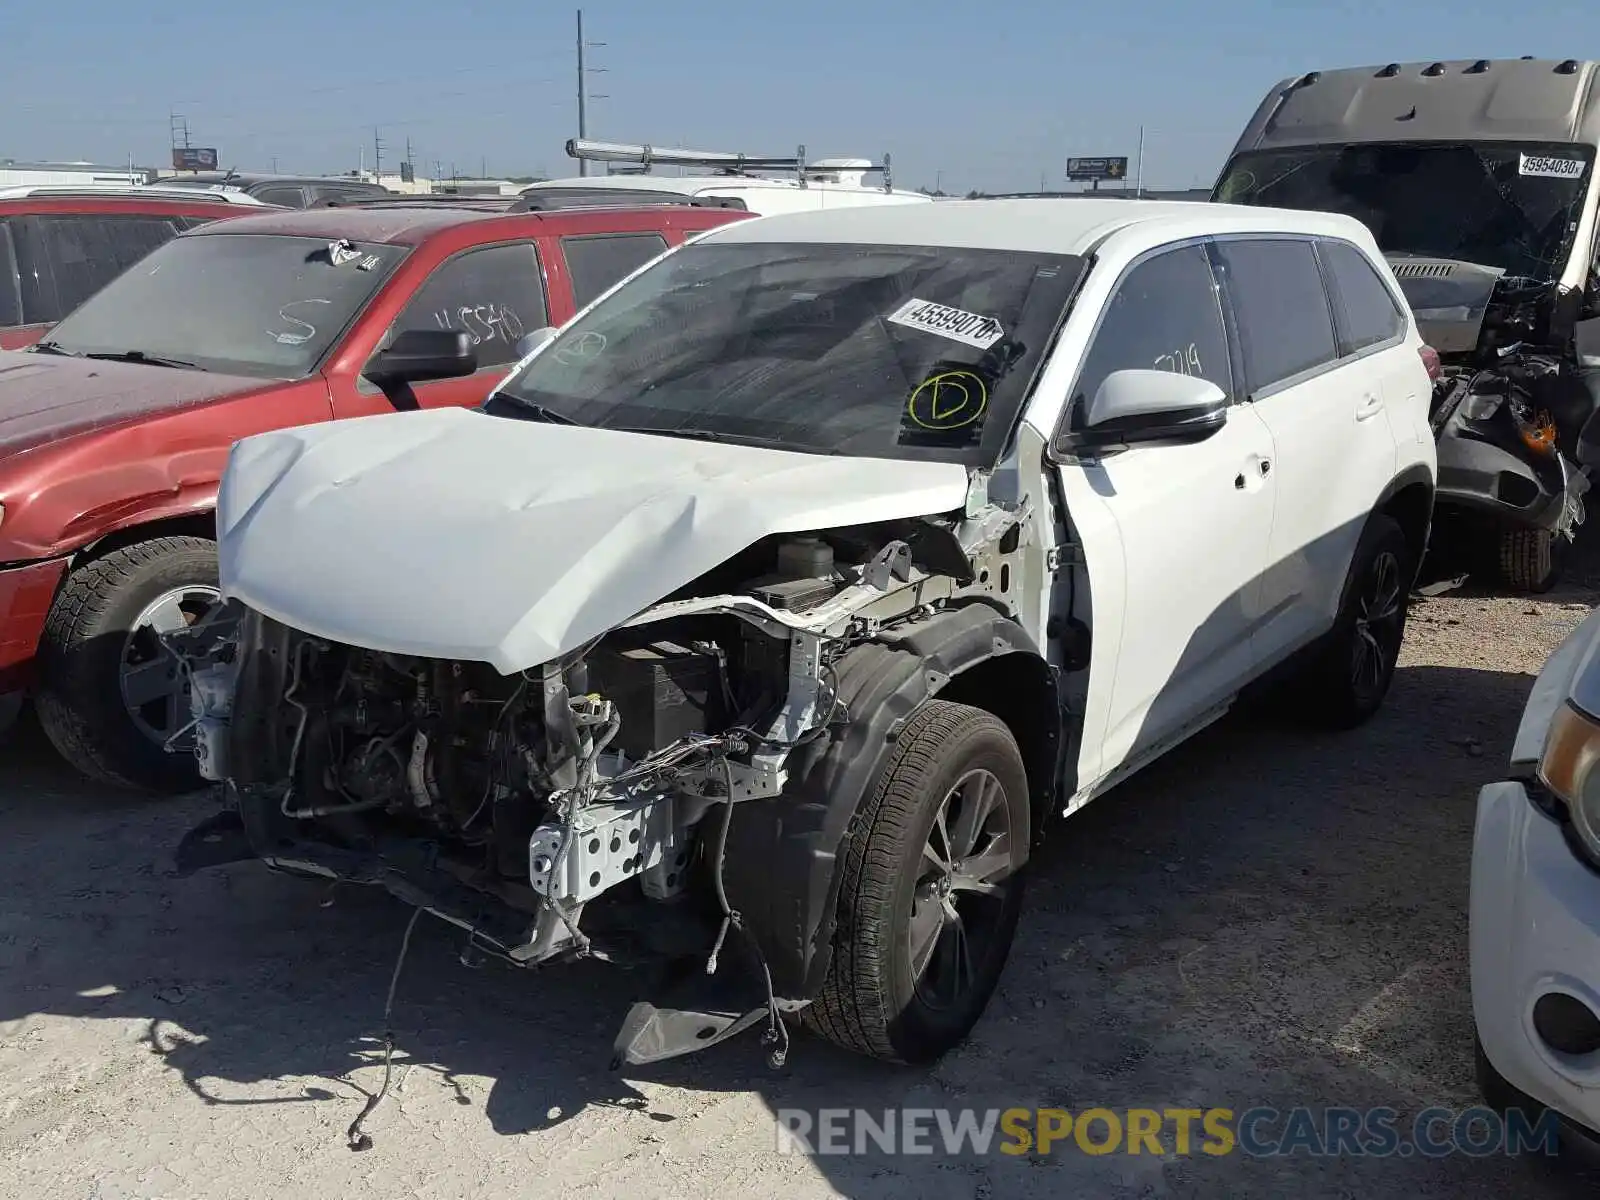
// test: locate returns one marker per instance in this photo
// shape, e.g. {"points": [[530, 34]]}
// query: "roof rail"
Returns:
{"points": [[720, 161], [23, 191], [421, 200], [541, 200]]}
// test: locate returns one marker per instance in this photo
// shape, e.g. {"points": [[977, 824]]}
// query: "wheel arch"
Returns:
{"points": [[201, 524], [781, 869], [1409, 501]]}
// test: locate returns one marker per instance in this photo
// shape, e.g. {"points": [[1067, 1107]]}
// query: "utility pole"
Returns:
{"points": [[377, 155], [583, 88], [1138, 174], [584, 71]]}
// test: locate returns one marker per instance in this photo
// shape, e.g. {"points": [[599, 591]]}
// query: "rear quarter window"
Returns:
{"points": [[288, 197], [1367, 310]]}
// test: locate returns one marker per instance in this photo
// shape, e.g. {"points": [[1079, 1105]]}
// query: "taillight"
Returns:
{"points": [[1430, 361]]}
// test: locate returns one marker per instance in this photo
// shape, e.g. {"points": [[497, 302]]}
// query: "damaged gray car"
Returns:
{"points": [[767, 612]]}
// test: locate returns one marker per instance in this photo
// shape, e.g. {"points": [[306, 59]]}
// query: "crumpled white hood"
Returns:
{"points": [[452, 534]]}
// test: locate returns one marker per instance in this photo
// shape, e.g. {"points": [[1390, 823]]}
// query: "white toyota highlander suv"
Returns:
{"points": [[771, 611]]}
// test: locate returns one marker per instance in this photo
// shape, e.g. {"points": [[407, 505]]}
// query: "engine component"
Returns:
{"points": [[805, 557], [795, 595], [211, 705], [664, 692]]}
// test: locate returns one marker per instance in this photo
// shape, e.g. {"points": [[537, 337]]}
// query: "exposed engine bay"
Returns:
{"points": [[542, 809]]}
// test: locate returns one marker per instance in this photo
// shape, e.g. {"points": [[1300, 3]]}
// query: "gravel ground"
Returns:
{"points": [[1268, 917]]}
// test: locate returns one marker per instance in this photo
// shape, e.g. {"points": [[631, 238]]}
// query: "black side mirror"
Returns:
{"points": [[418, 355]]}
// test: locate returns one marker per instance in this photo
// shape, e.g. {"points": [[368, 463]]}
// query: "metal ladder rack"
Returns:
{"points": [[723, 162]]}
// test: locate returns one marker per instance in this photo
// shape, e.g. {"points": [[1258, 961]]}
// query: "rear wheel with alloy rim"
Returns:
{"points": [[931, 890], [1350, 675]]}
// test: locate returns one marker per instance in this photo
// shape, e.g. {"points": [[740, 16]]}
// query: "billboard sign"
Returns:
{"points": [[1084, 170], [194, 158]]}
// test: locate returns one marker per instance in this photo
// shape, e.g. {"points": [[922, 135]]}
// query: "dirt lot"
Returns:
{"points": [[1270, 917]]}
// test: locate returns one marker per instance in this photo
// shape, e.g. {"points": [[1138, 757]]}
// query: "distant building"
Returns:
{"points": [[419, 186], [14, 173]]}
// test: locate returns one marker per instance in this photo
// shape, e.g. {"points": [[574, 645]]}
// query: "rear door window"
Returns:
{"points": [[1285, 324], [1368, 313], [495, 294], [595, 263], [63, 260], [1164, 316], [289, 197]]}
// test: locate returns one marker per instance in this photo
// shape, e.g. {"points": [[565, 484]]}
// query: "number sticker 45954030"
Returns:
{"points": [[1545, 167]]}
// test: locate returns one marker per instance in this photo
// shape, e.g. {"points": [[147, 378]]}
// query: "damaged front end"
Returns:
{"points": [[1509, 411], [582, 807]]}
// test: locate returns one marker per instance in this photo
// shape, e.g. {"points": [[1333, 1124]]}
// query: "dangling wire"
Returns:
{"points": [[355, 1136]]}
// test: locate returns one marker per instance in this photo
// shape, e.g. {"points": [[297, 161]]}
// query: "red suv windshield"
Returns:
{"points": [[262, 305]]}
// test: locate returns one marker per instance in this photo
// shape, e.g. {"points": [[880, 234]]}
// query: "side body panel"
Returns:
{"points": [[69, 493]]}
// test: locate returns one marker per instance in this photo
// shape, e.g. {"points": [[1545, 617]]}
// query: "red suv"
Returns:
{"points": [[115, 429], [57, 247]]}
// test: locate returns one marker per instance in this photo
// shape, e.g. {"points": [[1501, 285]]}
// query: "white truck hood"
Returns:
{"points": [[453, 534]]}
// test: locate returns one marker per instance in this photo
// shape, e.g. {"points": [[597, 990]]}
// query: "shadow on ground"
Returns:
{"points": [[1269, 916]]}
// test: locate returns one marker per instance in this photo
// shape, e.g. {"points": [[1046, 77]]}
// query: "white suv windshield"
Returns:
{"points": [[878, 351], [1513, 206], [243, 304]]}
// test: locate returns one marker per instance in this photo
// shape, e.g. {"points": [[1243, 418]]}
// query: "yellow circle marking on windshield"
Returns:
{"points": [[948, 400]]}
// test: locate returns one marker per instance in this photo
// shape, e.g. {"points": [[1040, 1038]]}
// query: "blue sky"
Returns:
{"points": [[970, 94]]}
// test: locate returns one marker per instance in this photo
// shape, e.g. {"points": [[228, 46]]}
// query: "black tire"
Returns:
{"points": [[10, 715], [1495, 1089], [1531, 560], [80, 699], [1337, 691], [871, 1002]]}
